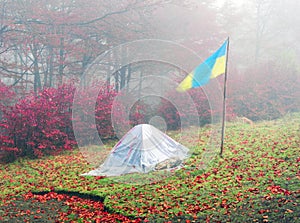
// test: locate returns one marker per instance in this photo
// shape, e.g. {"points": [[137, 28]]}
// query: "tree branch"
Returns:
{"points": [[40, 22]]}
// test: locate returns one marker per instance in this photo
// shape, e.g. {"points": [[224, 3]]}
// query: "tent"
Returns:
{"points": [[141, 150]]}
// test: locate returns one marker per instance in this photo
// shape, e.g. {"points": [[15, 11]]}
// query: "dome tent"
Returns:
{"points": [[141, 150]]}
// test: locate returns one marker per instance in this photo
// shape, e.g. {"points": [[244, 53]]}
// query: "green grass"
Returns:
{"points": [[258, 178]]}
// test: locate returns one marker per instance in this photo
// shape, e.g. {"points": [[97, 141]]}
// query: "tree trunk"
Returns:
{"points": [[117, 81], [61, 61], [50, 65], [37, 79], [123, 77], [128, 76], [140, 84]]}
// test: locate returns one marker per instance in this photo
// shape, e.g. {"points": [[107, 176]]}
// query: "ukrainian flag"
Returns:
{"points": [[212, 67]]}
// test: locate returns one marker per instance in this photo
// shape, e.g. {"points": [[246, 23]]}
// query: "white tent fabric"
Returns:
{"points": [[140, 150]]}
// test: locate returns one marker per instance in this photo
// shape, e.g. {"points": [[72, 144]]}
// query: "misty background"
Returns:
{"points": [[47, 43]]}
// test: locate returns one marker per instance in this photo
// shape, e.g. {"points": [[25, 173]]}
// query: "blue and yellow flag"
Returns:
{"points": [[212, 67]]}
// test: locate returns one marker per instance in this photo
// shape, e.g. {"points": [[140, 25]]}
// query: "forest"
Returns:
{"points": [[77, 74], [49, 48]]}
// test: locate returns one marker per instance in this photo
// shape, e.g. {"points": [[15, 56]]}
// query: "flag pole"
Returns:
{"points": [[224, 102]]}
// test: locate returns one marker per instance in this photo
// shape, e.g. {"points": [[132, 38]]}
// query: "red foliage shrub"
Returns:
{"points": [[265, 92], [103, 112], [42, 124], [140, 112], [175, 110], [7, 98], [170, 114]]}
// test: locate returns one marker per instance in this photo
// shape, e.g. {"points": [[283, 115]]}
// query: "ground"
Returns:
{"points": [[257, 180]]}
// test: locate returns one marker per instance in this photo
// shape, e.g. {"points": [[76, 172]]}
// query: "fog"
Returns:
{"points": [[46, 43]]}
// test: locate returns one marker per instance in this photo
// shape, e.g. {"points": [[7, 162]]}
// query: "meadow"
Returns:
{"points": [[256, 180]]}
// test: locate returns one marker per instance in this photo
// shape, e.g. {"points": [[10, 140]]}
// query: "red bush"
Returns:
{"points": [[103, 112], [42, 124], [7, 98], [197, 113], [140, 112], [267, 91]]}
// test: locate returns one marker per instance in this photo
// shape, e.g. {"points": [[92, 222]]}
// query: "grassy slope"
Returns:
{"points": [[258, 179]]}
